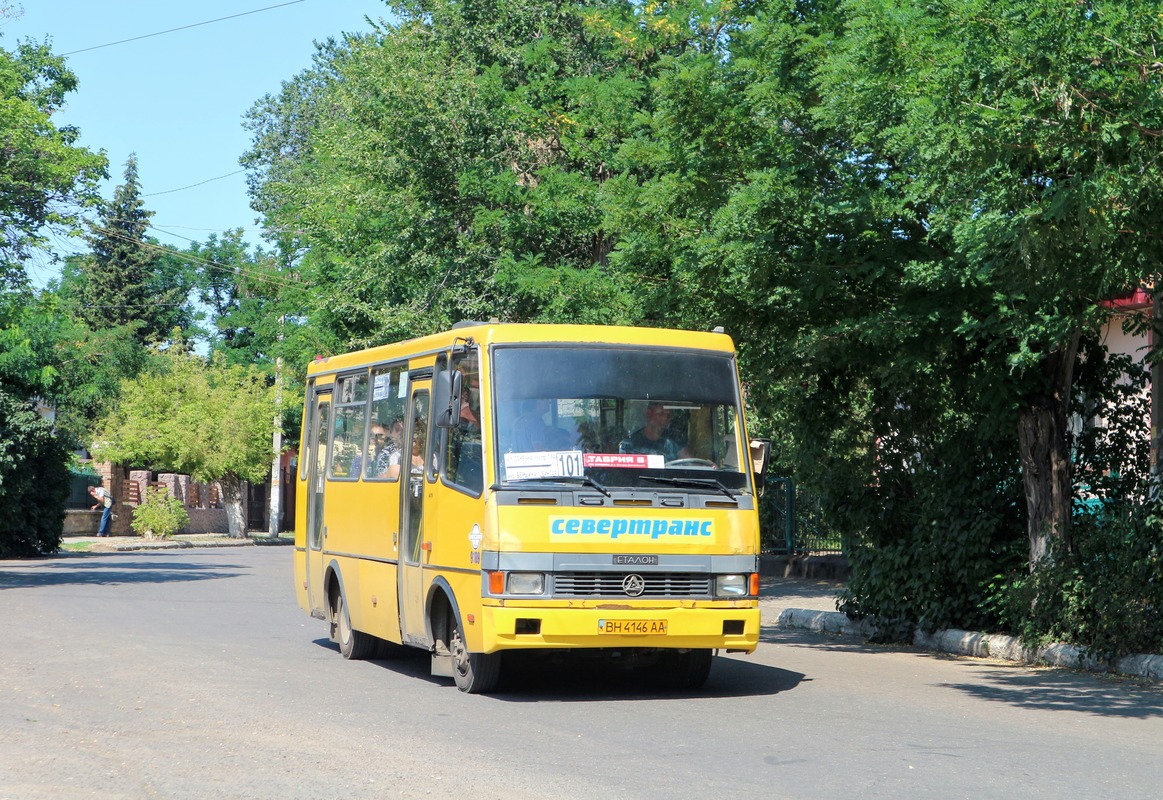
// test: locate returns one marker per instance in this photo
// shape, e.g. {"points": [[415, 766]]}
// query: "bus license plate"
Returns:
{"points": [[632, 627]]}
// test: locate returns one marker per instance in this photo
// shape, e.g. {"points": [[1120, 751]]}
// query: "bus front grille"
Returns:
{"points": [[613, 584]]}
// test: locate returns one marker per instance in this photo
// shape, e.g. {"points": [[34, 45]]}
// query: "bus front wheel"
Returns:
{"points": [[475, 673], [687, 669]]}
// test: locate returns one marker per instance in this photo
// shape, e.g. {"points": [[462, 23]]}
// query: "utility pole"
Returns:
{"points": [[276, 498], [275, 501], [1156, 334]]}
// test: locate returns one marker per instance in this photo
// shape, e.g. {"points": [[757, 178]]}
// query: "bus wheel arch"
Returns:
{"points": [[474, 673], [332, 588], [353, 645], [440, 609]]}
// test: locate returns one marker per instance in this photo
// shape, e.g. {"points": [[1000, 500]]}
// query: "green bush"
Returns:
{"points": [[941, 535], [159, 515], [34, 481], [1104, 593]]}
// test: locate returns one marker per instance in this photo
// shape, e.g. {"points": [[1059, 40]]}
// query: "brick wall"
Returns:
{"points": [[203, 502]]}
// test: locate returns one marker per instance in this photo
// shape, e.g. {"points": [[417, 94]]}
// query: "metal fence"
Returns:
{"points": [[791, 521], [79, 492]]}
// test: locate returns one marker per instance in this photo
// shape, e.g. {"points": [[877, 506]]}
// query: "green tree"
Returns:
{"points": [[125, 282], [34, 480], [46, 353], [449, 166], [205, 419], [46, 181], [1026, 137], [242, 287]]}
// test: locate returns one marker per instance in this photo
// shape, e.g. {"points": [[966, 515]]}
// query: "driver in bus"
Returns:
{"points": [[531, 431], [653, 438]]}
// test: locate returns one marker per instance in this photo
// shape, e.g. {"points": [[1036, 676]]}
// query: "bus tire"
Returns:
{"points": [[474, 673], [686, 670], [354, 645]]}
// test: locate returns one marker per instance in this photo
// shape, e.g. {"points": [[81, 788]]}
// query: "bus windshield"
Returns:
{"points": [[618, 416]]}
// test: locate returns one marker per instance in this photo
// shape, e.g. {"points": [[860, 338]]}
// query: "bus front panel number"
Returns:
{"points": [[569, 463]]}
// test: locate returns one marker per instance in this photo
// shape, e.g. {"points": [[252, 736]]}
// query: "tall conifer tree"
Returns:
{"points": [[118, 280]]}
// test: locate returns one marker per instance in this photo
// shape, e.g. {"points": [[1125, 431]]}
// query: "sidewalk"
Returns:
{"points": [[777, 595], [117, 544], [810, 604]]}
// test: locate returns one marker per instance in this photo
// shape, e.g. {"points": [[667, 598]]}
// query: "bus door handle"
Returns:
{"points": [[395, 539]]}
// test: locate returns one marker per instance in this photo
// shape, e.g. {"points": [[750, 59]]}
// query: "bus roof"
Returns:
{"points": [[487, 333]]}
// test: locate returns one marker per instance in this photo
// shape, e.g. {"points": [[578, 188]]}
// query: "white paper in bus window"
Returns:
{"points": [[545, 464], [403, 390], [380, 387]]}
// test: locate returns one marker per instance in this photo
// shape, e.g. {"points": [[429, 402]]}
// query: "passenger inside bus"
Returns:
{"points": [[470, 394], [388, 443]]}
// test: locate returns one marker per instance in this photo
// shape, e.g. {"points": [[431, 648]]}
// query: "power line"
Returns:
{"points": [[245, 271], [182, 28], [192, 185]]}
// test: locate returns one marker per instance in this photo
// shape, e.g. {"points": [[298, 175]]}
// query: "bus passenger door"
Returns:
{"points": [[411, 582], [316, 481]]}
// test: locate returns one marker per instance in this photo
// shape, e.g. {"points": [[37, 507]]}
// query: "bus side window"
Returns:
{"points": [[349, 427], [386, 456], [463, 459]]}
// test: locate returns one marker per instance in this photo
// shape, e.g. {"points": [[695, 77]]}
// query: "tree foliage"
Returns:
{"points": [[1026, 137], [444, 180], [209, 420], [125, 281], [46, 180], [45, 353]]}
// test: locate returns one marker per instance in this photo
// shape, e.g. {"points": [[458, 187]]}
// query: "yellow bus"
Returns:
{"points": [[503, 487]]}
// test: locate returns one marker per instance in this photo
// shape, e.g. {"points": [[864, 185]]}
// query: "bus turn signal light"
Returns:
{"points": [[496, 583]]}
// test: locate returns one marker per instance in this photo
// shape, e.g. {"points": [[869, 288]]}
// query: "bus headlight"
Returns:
{"points": [[526, 583], [731, 585]]}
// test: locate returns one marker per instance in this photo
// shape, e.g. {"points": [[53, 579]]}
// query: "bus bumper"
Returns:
{"points": [[509, 628]]}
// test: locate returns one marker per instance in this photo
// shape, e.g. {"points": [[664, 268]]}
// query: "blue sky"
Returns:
{"points": [[178, 99]]}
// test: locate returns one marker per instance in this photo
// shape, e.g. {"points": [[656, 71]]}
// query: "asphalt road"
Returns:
{"points": [[193, 674]]}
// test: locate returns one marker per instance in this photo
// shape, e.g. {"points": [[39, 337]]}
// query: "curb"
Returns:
{"points": [[980, 645], [181, 544]]}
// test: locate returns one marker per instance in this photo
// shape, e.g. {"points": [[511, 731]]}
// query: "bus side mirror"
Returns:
{"points": [[760, 452], [448, 384]]}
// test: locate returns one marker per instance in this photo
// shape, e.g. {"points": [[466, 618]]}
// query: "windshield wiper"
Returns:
{"points": [[584, 480], [710, 483]]}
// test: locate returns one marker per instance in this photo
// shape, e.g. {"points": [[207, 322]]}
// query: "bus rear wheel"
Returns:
{"points": [[353, 644], [474, 673]]}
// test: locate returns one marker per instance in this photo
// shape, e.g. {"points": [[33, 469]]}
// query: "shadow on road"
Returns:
{"points": [[794, 637], [92, 571], [530, 679], [535, 677], [1062, 690]]}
